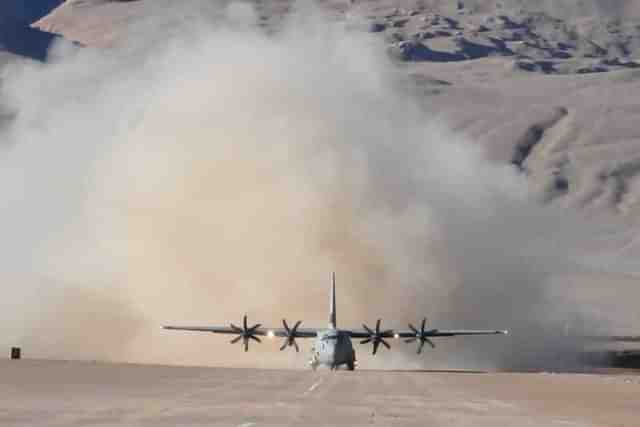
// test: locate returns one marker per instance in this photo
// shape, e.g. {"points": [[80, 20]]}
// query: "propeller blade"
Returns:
{"points": [[367, 329], [375, 347], [430, 342], [366, 341], [378, 326], [410, 339], [424, 323], [245, 333], [385, 344], [420, 346], [290, 335], [415, 331]]}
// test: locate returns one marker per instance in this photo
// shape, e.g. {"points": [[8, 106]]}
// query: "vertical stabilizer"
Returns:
{"points": [[332, 303]]}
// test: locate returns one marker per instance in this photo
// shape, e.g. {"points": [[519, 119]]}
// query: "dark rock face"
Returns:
{"points": [[533, 135], [415, 51], [16, 35], [376, 27], [546, 67]]}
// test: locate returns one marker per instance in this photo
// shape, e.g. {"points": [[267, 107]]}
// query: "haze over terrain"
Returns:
{"points": [[190, 163]]}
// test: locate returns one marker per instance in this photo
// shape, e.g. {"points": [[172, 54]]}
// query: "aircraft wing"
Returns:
{"points": [[392, 333], [450, 333], [260, 330]]}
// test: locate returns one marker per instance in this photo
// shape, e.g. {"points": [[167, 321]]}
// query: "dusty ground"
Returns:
{"points": [[44, 393]]}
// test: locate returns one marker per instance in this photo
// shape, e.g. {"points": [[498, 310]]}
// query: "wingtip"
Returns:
{"points": [[505, 332]]}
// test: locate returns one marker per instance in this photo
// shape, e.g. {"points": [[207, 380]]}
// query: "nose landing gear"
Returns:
{"points": [[314, 362]]}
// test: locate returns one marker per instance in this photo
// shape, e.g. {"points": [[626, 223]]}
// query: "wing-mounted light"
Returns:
{"points": [[245, 333], [290, 335], [421, 336], [377, 337]]}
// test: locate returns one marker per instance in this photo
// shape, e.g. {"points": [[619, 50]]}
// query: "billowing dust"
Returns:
{"points": [[194, 176]]}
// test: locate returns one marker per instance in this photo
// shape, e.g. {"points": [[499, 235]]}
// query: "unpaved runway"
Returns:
{"points": [[43, 393]]}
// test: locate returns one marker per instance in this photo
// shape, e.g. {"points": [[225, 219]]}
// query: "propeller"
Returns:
{"points": [[421, 335], [290, 339], [377, 337], [245, 334]]}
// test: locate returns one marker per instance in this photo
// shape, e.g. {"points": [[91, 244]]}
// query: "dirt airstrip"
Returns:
{"points": [[48, 393]]}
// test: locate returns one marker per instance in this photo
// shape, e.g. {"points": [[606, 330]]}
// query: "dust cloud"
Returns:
{"points": [[195, 176]]}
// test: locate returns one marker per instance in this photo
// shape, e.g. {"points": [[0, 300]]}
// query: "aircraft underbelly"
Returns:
{"points": [[342, 354], [334, 352]]}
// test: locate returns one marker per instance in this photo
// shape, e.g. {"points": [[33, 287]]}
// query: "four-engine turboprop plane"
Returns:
{"points": [[332, 347]]}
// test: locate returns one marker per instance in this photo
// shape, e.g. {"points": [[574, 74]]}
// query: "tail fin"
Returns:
{"points": [[332, 303]]}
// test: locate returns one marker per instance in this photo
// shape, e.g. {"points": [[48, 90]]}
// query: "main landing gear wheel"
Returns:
{"points": [[314, 363]]}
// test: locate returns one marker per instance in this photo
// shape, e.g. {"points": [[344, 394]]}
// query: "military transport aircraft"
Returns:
{"points": [[332, 347]]}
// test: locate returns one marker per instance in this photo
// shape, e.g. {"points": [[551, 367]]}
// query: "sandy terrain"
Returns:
{"points": [[42, 393]]}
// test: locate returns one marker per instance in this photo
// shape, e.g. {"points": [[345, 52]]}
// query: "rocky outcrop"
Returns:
{"points": [[540, 42]]}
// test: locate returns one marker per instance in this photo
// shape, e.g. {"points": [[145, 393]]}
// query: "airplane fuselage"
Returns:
{"points": [[333, 348]]}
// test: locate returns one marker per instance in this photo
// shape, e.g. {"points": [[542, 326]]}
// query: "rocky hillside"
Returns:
{"points": [[536, 41]]}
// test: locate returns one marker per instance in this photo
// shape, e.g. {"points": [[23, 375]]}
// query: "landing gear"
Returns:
{"points": [[314, 362], [352, 364]]}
